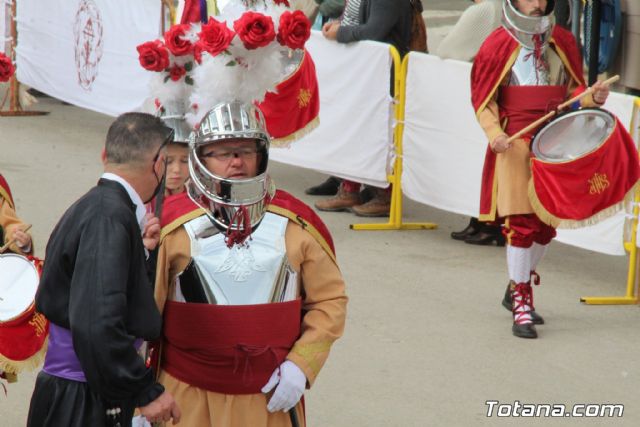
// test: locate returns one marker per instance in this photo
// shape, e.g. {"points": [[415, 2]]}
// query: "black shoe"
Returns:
{"points": [[506, 303], [525, 330], [473, 227], [368, 193], [487, 236], [327, 188]]}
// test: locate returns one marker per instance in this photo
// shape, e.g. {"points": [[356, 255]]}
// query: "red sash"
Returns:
{"points": [[522, 105], [231, 349]]}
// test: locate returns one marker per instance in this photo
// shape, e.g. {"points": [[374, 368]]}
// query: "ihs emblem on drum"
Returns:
{"points": [[87, 31], [598, 183], [304, 97], [39, 322]]}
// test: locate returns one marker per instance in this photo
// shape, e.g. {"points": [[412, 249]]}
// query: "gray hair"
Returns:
{"points": [[133, 137]]}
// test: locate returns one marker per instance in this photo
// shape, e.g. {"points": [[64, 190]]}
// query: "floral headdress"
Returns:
{"points": [[235, 56]]}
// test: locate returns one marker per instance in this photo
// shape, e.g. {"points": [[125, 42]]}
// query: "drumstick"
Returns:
{"points": [[12, 241], [560, 107]]}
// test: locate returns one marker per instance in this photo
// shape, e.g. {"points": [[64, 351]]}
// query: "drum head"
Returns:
{"points": [[573, 135], [18, 284]]}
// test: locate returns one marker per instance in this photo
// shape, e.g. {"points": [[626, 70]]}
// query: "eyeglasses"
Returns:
{"points": [[227, 154]]}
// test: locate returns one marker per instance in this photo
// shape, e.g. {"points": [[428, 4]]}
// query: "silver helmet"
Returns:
{"points": [[233, 205], [527, 29], [173, 116]]}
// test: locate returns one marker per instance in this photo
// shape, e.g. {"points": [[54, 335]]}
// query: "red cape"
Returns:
{"points": [[5, 192], [179, 209], [492, 63]]}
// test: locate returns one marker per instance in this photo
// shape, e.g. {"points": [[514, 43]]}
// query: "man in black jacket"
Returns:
{"points": [[96, 293]]}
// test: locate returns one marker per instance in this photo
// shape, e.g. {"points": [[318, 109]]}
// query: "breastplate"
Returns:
{"points": [[256, 273], [546, 71]]}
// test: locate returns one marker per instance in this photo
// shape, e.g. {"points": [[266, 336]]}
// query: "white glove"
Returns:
{"points": [[290, 381]]}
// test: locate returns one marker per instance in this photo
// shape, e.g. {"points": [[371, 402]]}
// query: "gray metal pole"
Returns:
{"points": [[576, 13], [594, 41]]}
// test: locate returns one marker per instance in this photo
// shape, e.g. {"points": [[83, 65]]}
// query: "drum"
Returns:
{"points": [[23, 331], [584, 164], [18, 284], [573, 135]]}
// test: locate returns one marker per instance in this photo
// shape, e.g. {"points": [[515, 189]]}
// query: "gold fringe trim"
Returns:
{"points": [[285, 142], [556, 222], [30, 364]]}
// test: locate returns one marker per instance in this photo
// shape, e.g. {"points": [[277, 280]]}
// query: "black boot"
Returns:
{"points": [[327, 188], [471, 229], [526, 330], [368, 193], [488, 235], [506, 303]]}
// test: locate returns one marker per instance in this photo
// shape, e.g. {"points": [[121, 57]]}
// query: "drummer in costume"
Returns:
{"points": [[22, 335], [251, 273], [523, 70], [96, 293]]}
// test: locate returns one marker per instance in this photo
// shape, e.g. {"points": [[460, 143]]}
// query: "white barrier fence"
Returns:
{"points": [[84, 52], [354, 137], [4, 27]]}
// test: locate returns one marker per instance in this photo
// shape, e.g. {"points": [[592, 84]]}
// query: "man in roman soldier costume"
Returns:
{"points": [[523, 70], [247, 281]]}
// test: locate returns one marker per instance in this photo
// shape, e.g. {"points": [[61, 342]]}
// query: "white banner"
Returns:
{"points": [[444, 147], [84, 51], [353, 139], [4, 27]]}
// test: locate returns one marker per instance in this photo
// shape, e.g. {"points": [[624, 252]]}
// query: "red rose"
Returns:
{"points": [[294, 29], [6, 68], [176, 72], [175, 41], [285, 2], [215, 37], [154, 56], [255, 30]]}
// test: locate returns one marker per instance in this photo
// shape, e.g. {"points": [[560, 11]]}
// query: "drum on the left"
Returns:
{"points": [[23, 331], [18, 284]]}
